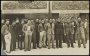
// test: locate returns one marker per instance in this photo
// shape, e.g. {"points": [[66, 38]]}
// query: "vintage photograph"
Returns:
{"points": [[45, 27]]}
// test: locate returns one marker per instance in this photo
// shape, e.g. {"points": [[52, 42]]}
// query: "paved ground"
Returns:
{"points": [[59, 51]]}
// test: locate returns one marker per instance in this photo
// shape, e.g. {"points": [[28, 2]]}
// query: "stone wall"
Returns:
{"points": [[70, 5], [24, 5]]}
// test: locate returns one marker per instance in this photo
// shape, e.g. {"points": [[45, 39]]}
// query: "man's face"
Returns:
{"points": [[13, 23], [58, 20], [46, 20], [42, 21], [2, 21], [29, 21], [7, 22], [53, 20], [22, 22], [50, 20], [79, 19], [17, 21], [32, 21], [25, 19], [85, 19], [37, 20]]}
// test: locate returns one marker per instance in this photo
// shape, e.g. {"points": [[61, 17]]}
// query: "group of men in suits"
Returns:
{"points": [[42, 32]]}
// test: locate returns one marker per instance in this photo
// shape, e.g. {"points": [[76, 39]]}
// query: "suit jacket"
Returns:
{"points": [[36, 27], [25, 26], [82, 32], [49, 28], [58, 28], [13, 35], [72, 28], [75, 26], [1, 28], [34, 33], [53, 28], [41, 27], [12, 30], [66, 28], [18, 28], [5, 29]]}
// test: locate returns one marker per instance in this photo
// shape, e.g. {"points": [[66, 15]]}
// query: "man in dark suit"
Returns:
{"points": [[33, 34], [62, 21], [2, 37], [37, 32], [17, 30], [66, 32], [71, 33], [58, 33], [13, 35], [75, 28], [21, 34]]}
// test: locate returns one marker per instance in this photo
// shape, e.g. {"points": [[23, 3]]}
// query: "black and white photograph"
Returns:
{"points": [[44, 27]]}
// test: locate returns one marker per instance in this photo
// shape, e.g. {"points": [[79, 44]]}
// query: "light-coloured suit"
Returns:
{"points": [[5, 30], [28, 36], [86, 31], [49, 33], [42, 32], [81, 34], [53, 34]]}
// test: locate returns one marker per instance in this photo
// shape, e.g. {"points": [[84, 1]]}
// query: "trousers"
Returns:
{"points": [[21, 38], [50, 38], [28, 39], [69, 39], [81, 37], [2, 42], [8, 41], [86, 33], [59, 40], [42, 39]]}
